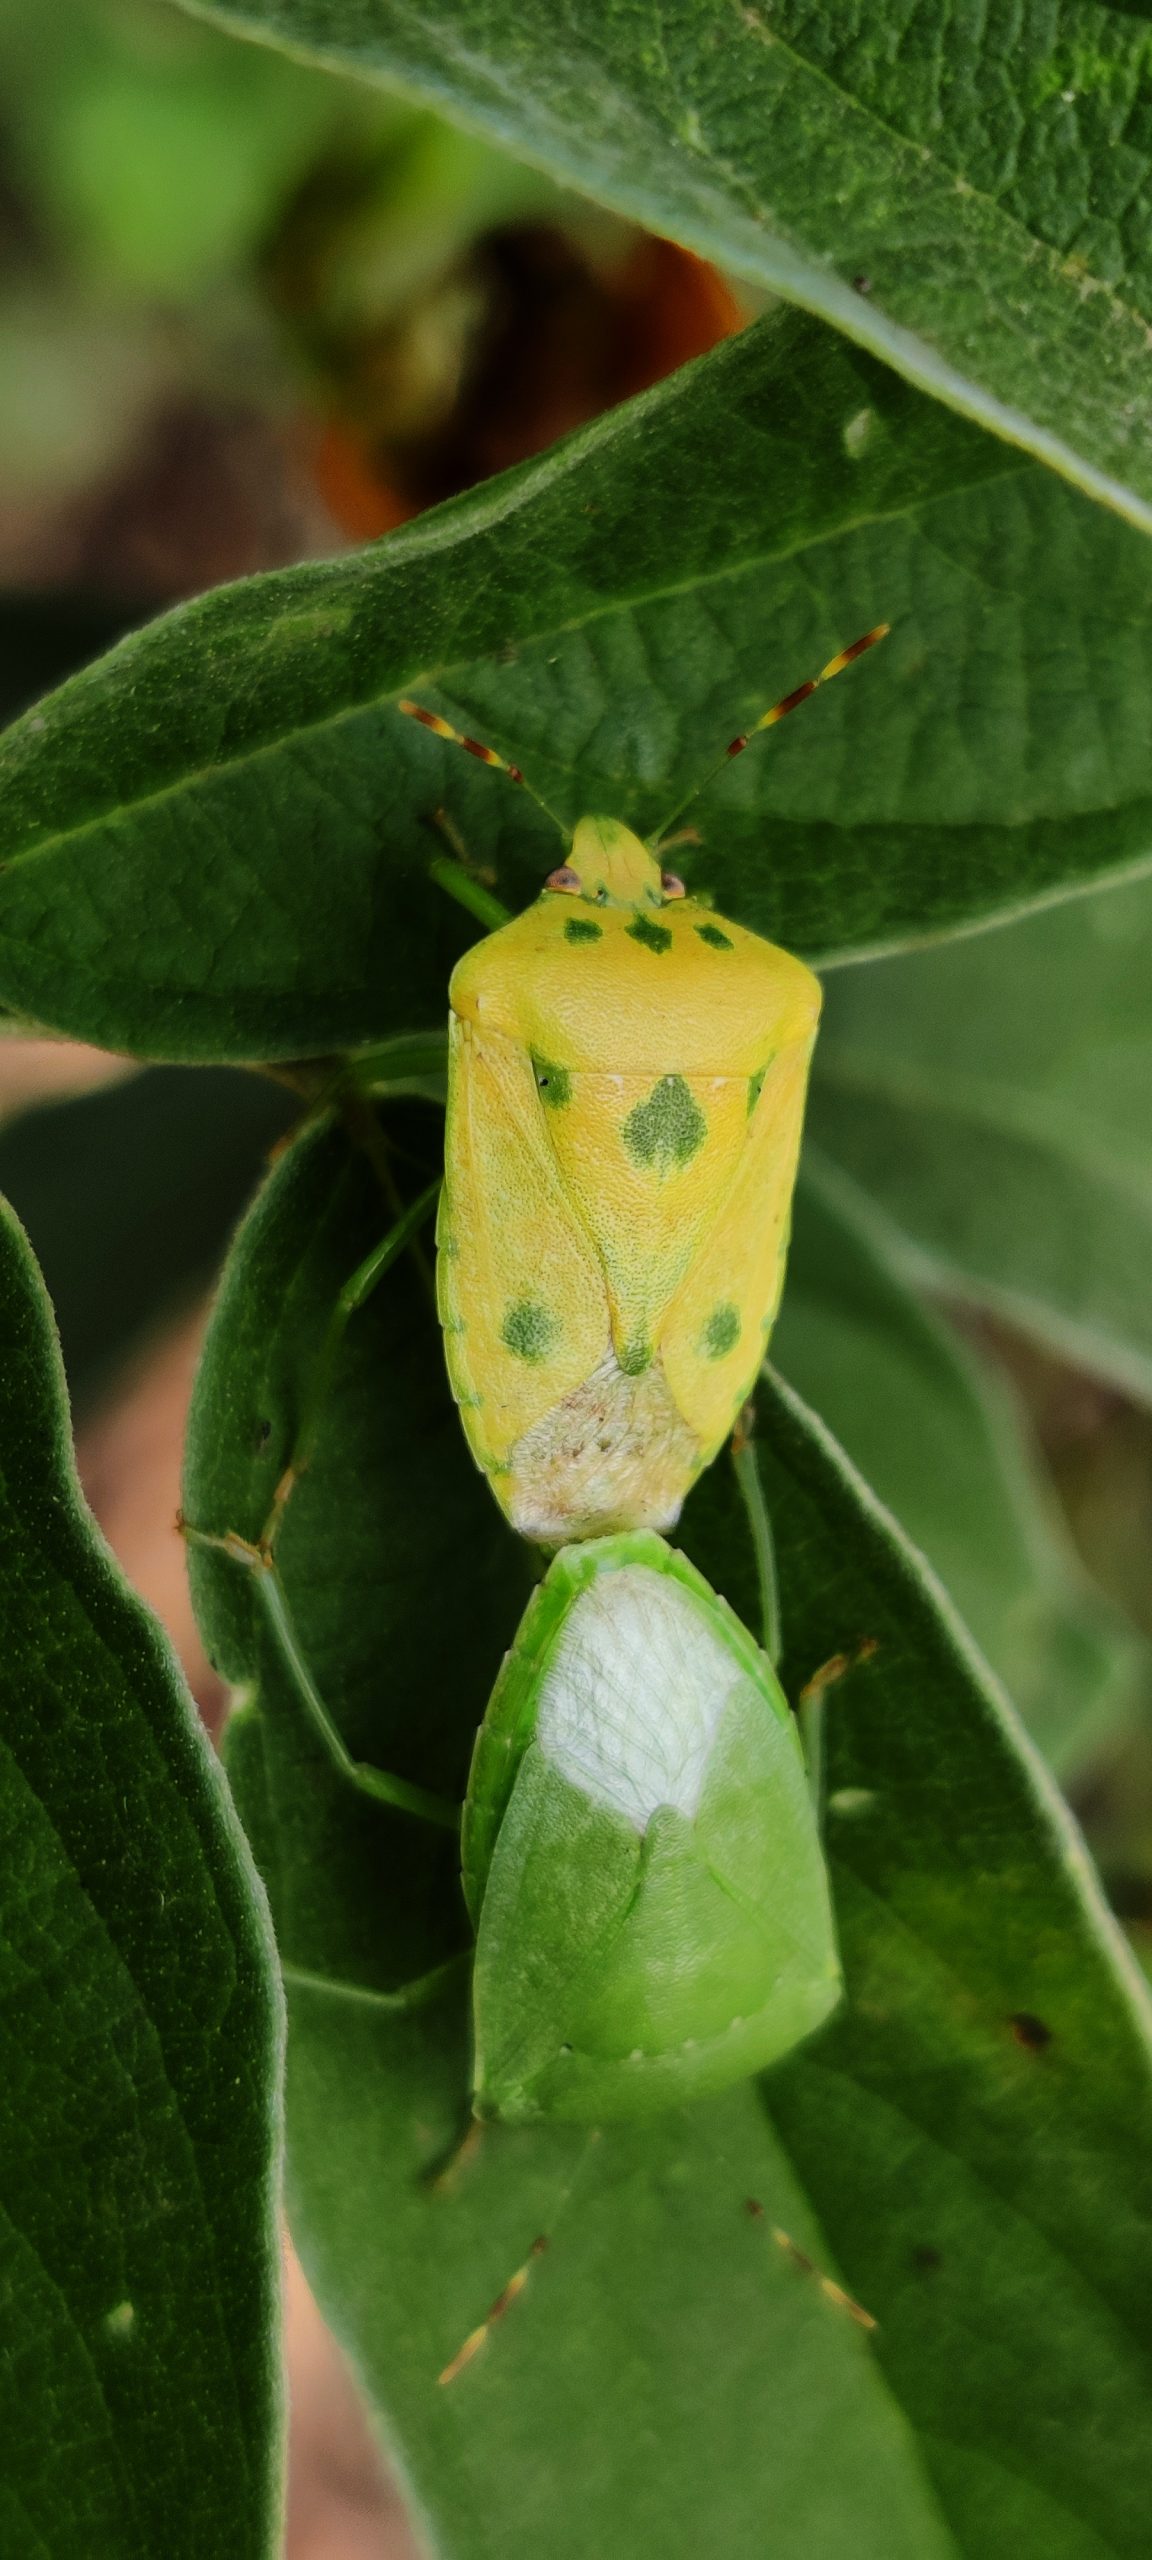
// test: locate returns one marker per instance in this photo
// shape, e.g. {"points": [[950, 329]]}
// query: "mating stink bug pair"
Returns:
{"points": [[641, 1857]]}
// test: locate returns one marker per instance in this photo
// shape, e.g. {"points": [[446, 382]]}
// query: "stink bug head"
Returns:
{"points": [[641, 1857], [613, 867]]}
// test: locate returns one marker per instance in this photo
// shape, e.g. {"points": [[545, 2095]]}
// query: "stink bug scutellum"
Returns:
{"points": [[641, 1856]]}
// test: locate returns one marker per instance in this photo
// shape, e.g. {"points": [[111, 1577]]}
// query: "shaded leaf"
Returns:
{"points": [[139, 2040], [217, 842], [939, 1436], [129, 1194], [968, 193], [994, 1097]]}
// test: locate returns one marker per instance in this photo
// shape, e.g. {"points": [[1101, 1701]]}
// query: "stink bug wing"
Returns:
{"points": [[716, 1329], [654, 1921], [521, 1299], [647, 1160], [562, 1878]]}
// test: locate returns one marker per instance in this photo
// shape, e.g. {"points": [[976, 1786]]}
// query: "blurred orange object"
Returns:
{"points": [[558, 335]]}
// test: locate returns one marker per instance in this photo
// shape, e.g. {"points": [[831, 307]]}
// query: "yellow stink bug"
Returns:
{"points": [[626, 1087]]}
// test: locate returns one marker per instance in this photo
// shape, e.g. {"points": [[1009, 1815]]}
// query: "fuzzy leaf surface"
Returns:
{"points": [[938, 1435], [216, 843], [993, 1097], [139, 2047]]}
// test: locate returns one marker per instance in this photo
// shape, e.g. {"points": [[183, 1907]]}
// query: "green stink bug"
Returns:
{"points": [[640, 1854]]}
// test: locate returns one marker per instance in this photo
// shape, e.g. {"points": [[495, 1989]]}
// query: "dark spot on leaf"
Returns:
{"points": [[553, 1084], [753, 2208], [925, 2258], [655, 937], [529, 1330], [722, 1331], [263, 1433], [716, 941], [582, 929], [1029, 2031], [667, 1129]]}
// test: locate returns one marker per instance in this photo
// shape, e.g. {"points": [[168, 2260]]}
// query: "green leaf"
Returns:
{"points": [[139, 2047], [403, 1582], [669, 2374], [217, 842], [994, 1097], [964, 192], [938, 1435], [974, 2129]]}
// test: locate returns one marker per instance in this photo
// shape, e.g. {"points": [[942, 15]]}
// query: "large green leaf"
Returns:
{"points": [[994, 1096], [671, 2378], [938, 1435], [216, 843], [965, 191], [139, 2036]]}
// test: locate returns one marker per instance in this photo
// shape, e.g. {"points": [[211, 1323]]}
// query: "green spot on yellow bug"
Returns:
{"points": [[722, 1331], [529, 1330], [553, 1084], [655, 937], [667, 1130], [579, 929], [755, 1088], [635, 1358], [716, 941]]}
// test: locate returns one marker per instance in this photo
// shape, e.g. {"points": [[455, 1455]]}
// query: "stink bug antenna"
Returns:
{"points": [[768, 719], [485, 755]]}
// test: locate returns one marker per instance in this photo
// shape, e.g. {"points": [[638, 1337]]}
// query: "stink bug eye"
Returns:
{"points": [[672, 885], [566, 879]]}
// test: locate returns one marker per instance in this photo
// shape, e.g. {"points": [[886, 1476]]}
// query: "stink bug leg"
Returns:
{"points": [[259, 1556]]}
